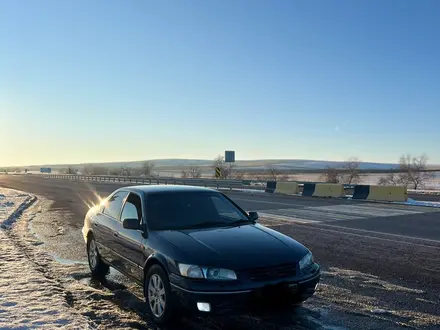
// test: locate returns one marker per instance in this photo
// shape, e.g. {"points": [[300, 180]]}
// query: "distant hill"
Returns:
{"points": [[260, 164]]}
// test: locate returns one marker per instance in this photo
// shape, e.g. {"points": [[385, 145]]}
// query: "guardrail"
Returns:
{"points": [[204, 182], [212, 183], [171, 180]]}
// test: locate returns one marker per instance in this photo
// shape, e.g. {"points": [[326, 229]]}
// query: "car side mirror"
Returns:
{"points": [[253, 216], [131, 224]]}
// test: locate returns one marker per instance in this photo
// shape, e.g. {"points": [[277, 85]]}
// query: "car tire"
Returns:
{"points": [[160, 302], [98, 268]]}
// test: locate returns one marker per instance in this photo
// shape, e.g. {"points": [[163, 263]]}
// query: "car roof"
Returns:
{"points": [[159, 189]]}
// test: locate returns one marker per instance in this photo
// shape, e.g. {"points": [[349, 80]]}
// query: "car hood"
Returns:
{"points": [[240, 247]]}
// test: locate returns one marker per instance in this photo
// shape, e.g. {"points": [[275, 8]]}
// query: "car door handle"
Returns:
{"points": [[95, 224], [116, 234]]}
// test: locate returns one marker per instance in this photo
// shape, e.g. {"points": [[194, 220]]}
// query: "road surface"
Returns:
{"points": [[381, 262]]}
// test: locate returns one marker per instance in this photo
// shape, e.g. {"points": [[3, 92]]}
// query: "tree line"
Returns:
{"points": [[146, 169], [410, 173]]}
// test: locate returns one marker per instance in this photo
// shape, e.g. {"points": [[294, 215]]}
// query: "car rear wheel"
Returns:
{"points": [[160, 303], [98, 268]]}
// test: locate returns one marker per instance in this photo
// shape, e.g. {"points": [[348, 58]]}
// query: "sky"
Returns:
{"points": [[96, 81]]}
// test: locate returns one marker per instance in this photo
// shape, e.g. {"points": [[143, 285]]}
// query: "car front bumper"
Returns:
{"points": [[269, 296]]}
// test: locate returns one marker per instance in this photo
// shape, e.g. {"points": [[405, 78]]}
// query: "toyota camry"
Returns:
{"points": [[194, 247]]}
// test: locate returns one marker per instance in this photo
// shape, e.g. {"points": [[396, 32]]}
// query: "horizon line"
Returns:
{"points": [[195, 159]]}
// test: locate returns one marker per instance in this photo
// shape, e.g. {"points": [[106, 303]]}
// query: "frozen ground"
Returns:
{"points": [[28, 299]]}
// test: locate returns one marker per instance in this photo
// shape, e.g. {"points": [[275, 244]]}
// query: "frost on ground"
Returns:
{"points": [[12, 203], [28, 300]]}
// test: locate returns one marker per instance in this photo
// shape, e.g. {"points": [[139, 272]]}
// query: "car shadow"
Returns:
{"points": [[129, 298]]}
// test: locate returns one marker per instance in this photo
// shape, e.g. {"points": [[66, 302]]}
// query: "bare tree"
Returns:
{"points": [[126, 171], [195, 172], [225, 169], [413, 170], [331, 175], [147, 169], [273, 173], [392, 179], [192, 172], [352, 166], [70, 170]]}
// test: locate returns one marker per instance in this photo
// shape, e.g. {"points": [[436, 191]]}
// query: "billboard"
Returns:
{"points": [[45, 170], [229, 156]]}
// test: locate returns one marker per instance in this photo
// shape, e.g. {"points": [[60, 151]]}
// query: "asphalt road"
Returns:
{"points": [[376, 257]]}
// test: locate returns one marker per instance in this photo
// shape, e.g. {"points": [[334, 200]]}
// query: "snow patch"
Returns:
{"points": [[28, 299]]}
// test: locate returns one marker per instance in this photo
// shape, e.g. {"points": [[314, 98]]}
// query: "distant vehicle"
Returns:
{"points": [[195, 247]]}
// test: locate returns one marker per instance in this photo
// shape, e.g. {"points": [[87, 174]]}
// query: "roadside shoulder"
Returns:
{"points": [[28, 299]]}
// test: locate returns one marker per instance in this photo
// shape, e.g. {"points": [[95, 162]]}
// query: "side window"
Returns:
{"points": [[114, 204], [226, 209], [132, 208]]}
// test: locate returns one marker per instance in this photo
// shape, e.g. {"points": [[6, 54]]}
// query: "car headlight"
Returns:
{"points": [[210, 273], [220, 274], [306, 261], [191, 271]]}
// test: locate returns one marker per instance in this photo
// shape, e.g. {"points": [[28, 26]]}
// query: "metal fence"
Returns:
{"points": [[212, 183]]}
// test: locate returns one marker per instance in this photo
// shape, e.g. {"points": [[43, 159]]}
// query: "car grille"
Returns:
{"points": [[271, 273]]}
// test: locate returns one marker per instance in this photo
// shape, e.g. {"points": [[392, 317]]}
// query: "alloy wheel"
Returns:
{"points": [[156, 295], [93, 254]]}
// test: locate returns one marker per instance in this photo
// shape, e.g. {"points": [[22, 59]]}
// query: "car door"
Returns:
{"points": [[129, 242], [106, 224]]}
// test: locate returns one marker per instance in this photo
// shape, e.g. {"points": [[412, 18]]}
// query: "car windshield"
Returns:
{"points": [[191, 210]]}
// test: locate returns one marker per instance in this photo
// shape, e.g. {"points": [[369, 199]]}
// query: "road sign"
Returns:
{"points": [[218, 172], [45, 170], [229, 156]]}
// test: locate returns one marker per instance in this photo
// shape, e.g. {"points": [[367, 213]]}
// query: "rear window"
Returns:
{"points": [[185, 210]]}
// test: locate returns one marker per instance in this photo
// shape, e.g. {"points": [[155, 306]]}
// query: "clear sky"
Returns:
{"points": [[86, 81]]}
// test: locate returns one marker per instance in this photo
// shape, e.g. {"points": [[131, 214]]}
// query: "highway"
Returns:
{"points": [[381, 262]]}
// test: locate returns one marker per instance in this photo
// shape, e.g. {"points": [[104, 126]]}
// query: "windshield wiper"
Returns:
{"points": [[240, 222], [219, 224]]}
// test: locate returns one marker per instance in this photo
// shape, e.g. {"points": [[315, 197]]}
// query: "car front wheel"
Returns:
{"points": [[98, 268], [160, 303]]}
